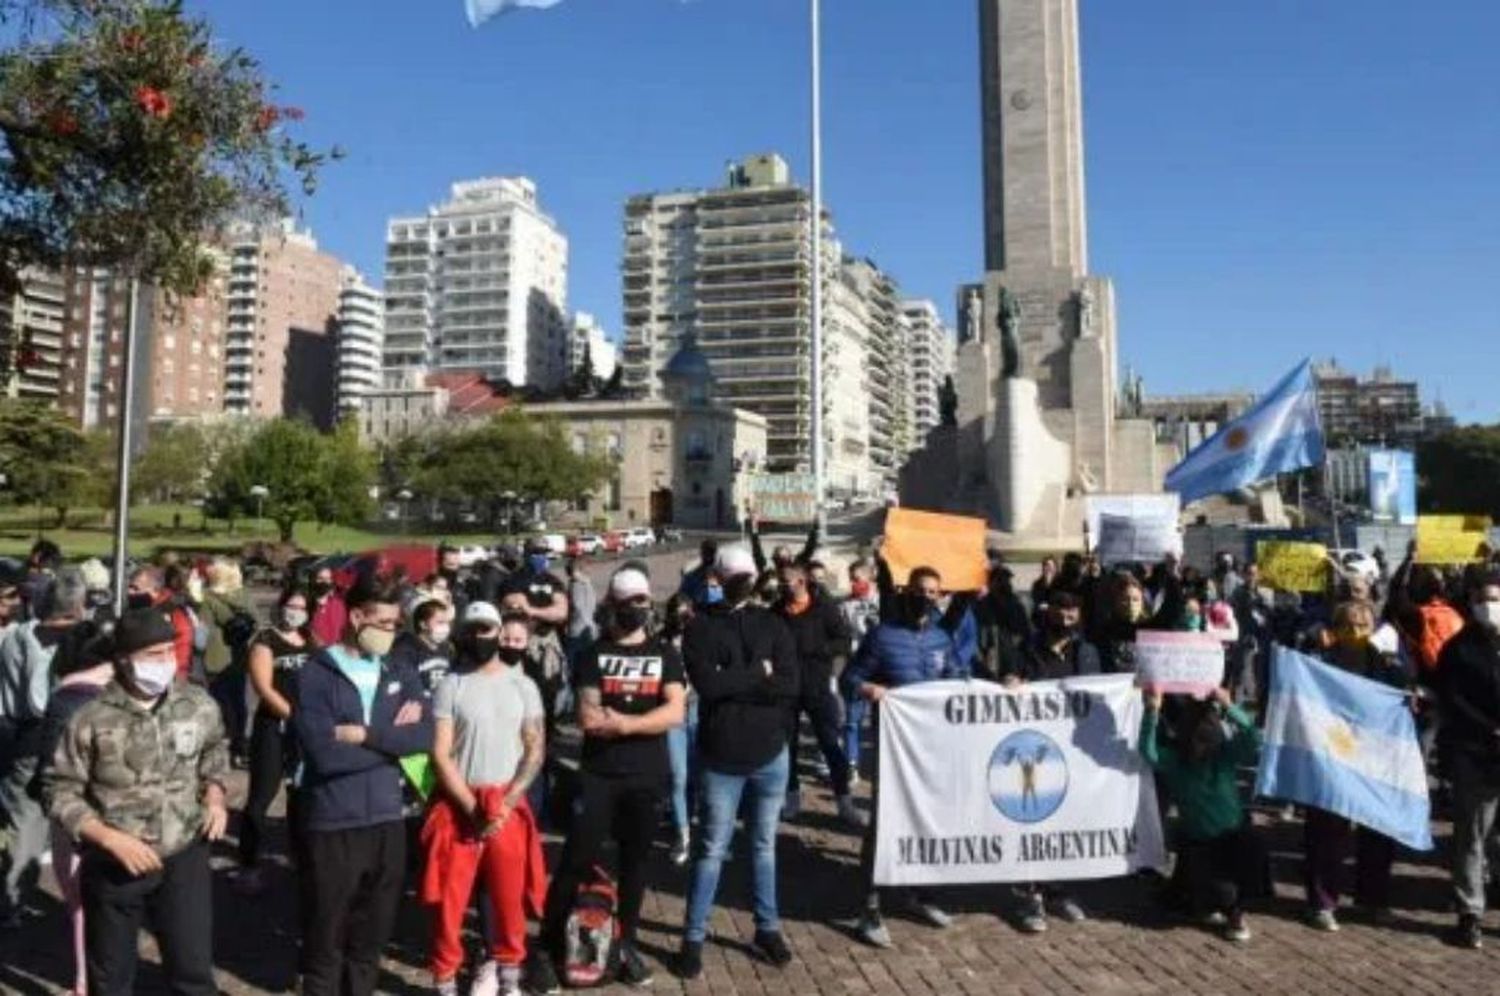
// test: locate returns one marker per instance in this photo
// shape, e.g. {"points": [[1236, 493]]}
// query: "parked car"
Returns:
{"points": [[590, 544], [640, 536], [556, 543]]}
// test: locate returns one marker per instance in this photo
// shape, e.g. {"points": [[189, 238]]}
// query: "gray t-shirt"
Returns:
{"points": [[487, 710]]}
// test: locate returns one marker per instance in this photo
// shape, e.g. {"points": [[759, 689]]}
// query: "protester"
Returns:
{"points": [[231, 624], [535, 592], [583, 605], [1248, 662], [1127, 617], [355, 716], [631, 691], [146, 589], [682, 740], [1470, 746], [781, 554], [42, 564], [1056, 652], [276, 655], [822, 641], [144, 813], [1325, 834], [908, 649], [1220, 861], [26, 657], [695, 582], [96, 579], [861, 610], [489, 747], [428, 645], [1004, 627], [330, 612], [742, 662], [82, 667]]}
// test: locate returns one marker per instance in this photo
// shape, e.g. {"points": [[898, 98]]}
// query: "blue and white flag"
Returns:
{"points": [[1346, 745], [1280, 433], [482, 10]]}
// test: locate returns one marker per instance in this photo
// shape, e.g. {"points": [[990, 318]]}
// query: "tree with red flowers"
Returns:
{"points": [[129, 138]]}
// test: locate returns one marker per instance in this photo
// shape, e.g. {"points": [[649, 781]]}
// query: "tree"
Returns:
{"points": [[1458, 471], [308, 477], [512, 454], [41, 455], [131, 138], [584, 383], [176, 463]]}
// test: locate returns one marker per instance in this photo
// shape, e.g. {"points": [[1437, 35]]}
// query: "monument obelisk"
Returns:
{"points": [[1037, 426]]}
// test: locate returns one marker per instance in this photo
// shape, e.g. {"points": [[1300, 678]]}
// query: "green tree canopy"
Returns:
{"points": [[1459, 471], [176, 463], [42, 455]]}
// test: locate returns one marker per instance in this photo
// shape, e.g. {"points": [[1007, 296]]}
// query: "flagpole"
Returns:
{"points": [[816, 307]]}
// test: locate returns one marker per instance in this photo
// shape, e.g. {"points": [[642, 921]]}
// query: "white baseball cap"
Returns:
{"points": [[629, 583], [734, 561], [481, 614]]}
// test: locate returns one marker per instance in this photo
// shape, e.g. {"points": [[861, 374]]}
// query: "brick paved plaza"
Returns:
{"points": [[1127, 948]]}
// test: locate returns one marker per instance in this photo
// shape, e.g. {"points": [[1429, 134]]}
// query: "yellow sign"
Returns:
{"points": [[1288, 566], [952, 545], [1451, 539]]}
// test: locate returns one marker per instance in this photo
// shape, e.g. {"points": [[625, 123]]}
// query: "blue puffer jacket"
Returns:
{"points": [[893, 655]]}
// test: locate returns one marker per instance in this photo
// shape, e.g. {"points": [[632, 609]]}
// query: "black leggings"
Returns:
{"points": [[626, 808], [268, 766]]}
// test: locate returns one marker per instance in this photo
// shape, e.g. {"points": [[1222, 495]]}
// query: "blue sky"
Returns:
{"points": [[1266, 180]]}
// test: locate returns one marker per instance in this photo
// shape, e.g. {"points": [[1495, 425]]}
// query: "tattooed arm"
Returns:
{"points": [[533, 755]]}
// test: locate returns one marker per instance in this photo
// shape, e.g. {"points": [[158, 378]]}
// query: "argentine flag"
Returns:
{"points": [[482, 10], [1347, 745], [1279, 434]]}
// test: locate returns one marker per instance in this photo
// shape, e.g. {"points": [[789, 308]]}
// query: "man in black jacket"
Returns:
{"points": [[743, 664], [822, 639], [1469, 686]]}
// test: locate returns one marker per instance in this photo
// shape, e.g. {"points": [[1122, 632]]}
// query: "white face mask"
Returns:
{"points": [[440, 633], [293, 619], [1487, 615], [153, 677]]}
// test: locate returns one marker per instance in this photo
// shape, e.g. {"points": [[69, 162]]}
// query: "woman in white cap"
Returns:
{"points": [[631, 690]]}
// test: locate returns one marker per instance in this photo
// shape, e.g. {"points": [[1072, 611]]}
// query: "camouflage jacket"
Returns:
{"points": [[141, 771]]}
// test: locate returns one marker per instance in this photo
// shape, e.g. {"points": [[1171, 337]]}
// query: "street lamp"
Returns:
{"points": [[403, 496], [259, 493]]}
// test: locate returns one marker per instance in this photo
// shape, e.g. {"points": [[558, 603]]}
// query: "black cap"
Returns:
{"points": [[1064, 600], [142, 628]]}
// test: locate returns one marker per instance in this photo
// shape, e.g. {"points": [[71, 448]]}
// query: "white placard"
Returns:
{"points": [[1039, 784], [1162, 506], [1134, 540], [1179, 663]]}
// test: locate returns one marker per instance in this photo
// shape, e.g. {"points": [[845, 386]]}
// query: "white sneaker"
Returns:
{"points": [[853, 779], [849, 813], [487, 981]]}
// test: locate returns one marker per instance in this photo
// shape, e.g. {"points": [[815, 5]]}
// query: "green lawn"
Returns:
{"points": [[88, 533]]}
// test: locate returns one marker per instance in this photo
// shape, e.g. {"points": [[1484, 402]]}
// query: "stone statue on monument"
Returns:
{"points": [[1010, 334], [973, 325], [1086, 328], [948, 402]]}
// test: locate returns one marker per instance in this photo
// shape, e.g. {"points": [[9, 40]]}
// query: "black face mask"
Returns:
{"points": [[321, 589], [511, 655], [138, 600], [478, 649], [630, 618]]}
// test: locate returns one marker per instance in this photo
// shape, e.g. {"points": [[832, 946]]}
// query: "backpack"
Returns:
{"points": [[592, 934]]}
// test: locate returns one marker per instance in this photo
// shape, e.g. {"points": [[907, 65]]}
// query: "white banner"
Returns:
{"points": [[1159, 506], [1179, 663], [1040, 784], [1124, 539]]}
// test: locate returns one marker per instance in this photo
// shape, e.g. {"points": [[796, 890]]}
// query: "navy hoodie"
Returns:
{"points": [[346, 786]]}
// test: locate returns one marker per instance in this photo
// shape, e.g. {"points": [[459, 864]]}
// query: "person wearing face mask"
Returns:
{"points": [[861, 611], [822, 643], [1221, 863], [1469, 744], [147, 589], [277, 653], [330, 612], [355, 715], [907, 649], [743, 664], [631, 692], [682, 741], [695, 582], [1126, 618], [1004, 626], [1056, 652], [488, 747], [428, 645], [1325, 834], [144, 826]]}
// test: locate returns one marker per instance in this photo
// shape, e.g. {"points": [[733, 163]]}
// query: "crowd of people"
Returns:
{"points": [[416, 727]]}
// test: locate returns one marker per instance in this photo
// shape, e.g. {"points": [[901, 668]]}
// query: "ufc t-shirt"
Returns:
{"points": [[631, 681]]}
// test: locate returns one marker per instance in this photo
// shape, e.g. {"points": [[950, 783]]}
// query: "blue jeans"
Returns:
{"points": [[721, 801], [855, 710], [682, 750]]}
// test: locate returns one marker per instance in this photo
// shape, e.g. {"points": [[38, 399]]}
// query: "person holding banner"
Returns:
{"points": [[1469, 742], [909, 649], [1220, 860], [1058, 651], [1325, 834]]}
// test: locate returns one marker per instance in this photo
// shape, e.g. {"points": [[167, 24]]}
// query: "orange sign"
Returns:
{"points": [[952, 545]]}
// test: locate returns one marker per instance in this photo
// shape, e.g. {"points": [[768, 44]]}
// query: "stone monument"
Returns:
{"points": [[1037, 425]]}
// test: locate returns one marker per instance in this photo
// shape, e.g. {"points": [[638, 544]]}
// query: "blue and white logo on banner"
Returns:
{"points": [[1028, 777], [1346, 745]]}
